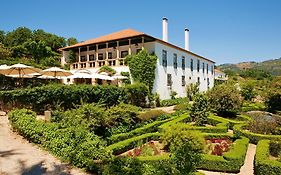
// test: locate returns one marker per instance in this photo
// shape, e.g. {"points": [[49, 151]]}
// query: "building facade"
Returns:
{"points": [[176, 67]]}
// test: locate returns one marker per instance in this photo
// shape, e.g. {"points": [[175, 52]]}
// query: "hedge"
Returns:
{"points": [[74, 144], [131, 143], [151, 127], [263, 165], [171, 102], [254, 137], [231, 161], [231, 122], [178, 119], [67, 96]]}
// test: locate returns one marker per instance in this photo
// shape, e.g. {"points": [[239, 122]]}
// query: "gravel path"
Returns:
{"points": [[246, 169], [19, 157]]}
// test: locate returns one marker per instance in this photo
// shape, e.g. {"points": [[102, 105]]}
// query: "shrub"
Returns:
{"points": [[248, 91], [200, 109], [184, 107], [171, 102], [137, 93], [157, 100], [225, 100], [273, 100], [231, 161], [73, 144], [173, 95], [176, 136], [248, 106], [151, 114], [107, 69], [191, 90], [263, 165]]}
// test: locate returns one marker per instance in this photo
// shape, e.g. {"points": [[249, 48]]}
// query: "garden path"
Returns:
{"points": [[168, 109], [18, 156], [246, 169]]}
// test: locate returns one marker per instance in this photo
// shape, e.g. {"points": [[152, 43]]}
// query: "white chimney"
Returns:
{"points": [[165, 29], [186, 39]]}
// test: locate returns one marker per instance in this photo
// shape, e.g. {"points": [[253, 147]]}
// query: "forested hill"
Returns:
{"points": [[32, 47], [271, 66]]}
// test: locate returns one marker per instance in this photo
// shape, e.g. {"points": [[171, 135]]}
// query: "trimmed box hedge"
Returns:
{"points": [[254, 137], [231, 122], [178, 119], [231, 161], [151, 127], [263, 165], [131, 143]]}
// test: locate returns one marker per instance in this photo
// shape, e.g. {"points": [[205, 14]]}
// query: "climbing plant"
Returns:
{"points": [[142, 67], [107, 69]]}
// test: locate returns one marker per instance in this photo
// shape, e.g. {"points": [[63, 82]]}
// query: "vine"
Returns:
{"points": [[142, 67]]}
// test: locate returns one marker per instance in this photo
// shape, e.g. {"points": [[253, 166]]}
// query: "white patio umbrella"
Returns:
{"points": [[24, 76], [3, 68], [55, 72], [20, 70]]}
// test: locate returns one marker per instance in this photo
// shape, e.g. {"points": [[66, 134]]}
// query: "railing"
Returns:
{"points": [[98, 63]]}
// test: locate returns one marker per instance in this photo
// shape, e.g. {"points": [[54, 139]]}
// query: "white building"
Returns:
{"points": [[176, 66], [219, 75]]}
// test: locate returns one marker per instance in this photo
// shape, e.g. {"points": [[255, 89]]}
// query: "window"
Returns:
{"points": [[208, 81], [191, 65], [207, 67], [164, 58], [175, 61], [183, 80], [203, 67], [212, 69], [183, 63], [109, 55], [100, 56], [169, 80], [198, 65], [91, 57], [124, 54], [198, 80], [83, 58]]}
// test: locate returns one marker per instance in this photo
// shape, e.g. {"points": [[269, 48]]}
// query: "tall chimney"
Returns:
{"points": [[186, 39], [165, 29]]}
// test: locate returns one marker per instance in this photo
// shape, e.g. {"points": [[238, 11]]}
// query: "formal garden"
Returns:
{"points": [[116, 130]]}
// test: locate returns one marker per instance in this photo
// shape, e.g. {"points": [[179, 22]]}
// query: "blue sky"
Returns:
{"points": [[227, 31]]}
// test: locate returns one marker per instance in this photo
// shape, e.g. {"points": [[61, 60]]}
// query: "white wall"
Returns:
{"points": [[160, 84]]}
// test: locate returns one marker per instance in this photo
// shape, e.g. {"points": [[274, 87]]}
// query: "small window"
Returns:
{"points": [[183, 80], [198, 80], [169, 80], [83, 58], [164, 58], [198, 65], [208, 81], [207, 68], [212, 70], [91, 57], [203, 68], [100, 56], [124, 54], [183, 63], [191, 65], [109, 54], [175, 61]]}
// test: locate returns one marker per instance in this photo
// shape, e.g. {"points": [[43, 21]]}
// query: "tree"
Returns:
{"points": [[71, 41], [200, 109], [248, 91], [2, 36], [38, 50], [191, 90], [53, 41], [18, 36], [4, 52], [225, 100], [273, 100], [142, 67]]}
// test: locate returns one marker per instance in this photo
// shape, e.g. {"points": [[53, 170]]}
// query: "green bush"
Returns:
{"points": [[273, 100], [175, 136], [191, 90], [184, 107], [248, 91], [254, 138], [171, 102], [151, 127], [130, 143], [137, 93], [263, 165], [225, 100], [150, 114], [231, 161], [74, 144], [200, 110], [248, 106]]}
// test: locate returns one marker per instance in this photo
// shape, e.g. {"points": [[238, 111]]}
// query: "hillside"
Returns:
{"points": [[271, 66]]}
